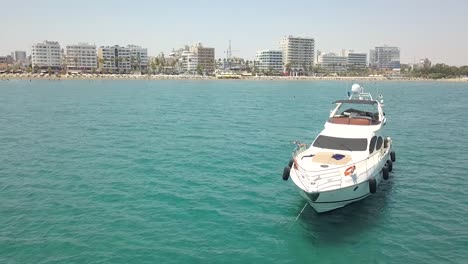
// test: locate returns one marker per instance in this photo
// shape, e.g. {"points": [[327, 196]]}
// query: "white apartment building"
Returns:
{"points": [[114, 58], [81, 56], [189, 61], [269, 60], [298, 52], [357, 60], [46, 54], [138, 57], [333, 62]]}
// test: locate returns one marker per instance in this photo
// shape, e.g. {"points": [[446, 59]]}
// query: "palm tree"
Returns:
{"points": [[132, 62], [199, 70], [76, 62], [288, 68], [163, 63], [100, 63], [139, 63], [119, 63], [153, 65]]}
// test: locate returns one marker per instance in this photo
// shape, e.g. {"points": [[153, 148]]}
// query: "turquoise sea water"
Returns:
{"points": [[190, 172]]}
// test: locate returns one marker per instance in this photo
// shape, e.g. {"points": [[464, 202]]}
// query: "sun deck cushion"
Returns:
{"points": [[339, 120]]}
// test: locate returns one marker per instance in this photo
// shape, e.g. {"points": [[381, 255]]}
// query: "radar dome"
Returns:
{"points": [[356, 88]]}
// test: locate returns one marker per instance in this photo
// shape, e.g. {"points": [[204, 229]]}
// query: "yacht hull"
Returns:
{"points": [[331, 200]]}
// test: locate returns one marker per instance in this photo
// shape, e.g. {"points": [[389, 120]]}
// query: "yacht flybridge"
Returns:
{"points": [[348, 159]]}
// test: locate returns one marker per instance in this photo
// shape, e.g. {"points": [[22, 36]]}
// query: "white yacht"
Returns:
{"points": [[348, 159]]}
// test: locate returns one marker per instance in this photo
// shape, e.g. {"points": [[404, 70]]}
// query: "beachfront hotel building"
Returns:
{"points": [[138, 57], [115, 59], [385, 57], [333, 62], [188, 62], [267, 60], [119, 59], [46, 54], [81, 56], [357, 60], [205, 57], [298, 53]]}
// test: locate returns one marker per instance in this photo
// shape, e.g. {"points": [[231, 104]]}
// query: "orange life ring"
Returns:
{"points": [[350, 170]]}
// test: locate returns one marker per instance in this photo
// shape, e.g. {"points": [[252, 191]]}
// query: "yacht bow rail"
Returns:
{"points": [[333, 177]]}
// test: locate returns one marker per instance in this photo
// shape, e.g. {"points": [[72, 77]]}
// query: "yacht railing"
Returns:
{"points": [[333, 177]]}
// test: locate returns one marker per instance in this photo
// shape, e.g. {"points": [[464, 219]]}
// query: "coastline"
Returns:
{"points": [[27, 76]]}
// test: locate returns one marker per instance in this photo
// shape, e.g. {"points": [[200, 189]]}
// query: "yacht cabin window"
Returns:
{"points": [[372, 144], [379, 143], [335, 143], [353, 110]]}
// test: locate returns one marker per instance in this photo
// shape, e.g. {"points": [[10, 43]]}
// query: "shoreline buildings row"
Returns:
{"points": [[114, 59], [297, 55], [85, 57], [294, 56]]}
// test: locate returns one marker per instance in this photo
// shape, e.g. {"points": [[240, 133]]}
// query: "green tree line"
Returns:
{"points": [[439, 71]]}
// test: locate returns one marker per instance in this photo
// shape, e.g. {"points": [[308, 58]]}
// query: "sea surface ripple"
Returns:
{"points": [[190, 172]]}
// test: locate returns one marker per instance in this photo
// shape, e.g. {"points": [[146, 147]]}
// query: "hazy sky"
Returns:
{"points": [[434, 29]]}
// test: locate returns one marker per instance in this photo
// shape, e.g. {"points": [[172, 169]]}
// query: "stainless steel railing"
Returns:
{"points": [[334, 176]]}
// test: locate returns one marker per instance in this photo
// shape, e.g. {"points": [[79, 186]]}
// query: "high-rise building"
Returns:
{"points": [[386, 57], [19, 56], [205, 57], [114, 58], [372, 61], [138, 57], [269, 60], [46, 54], [317, 55], [298, 52], [81, 56], [357, 60]]}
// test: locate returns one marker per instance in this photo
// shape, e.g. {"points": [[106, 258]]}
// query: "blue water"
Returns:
{"points": [[190, 172]]}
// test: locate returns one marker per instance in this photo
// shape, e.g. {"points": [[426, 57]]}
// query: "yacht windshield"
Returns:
{"points": [[369, 111], [350, 144]]}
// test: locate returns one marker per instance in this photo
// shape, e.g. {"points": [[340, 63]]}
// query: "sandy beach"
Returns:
{"points": [[29, 76]]}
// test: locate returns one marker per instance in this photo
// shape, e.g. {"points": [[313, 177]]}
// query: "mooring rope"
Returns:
{"points": [[297, 217]]}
